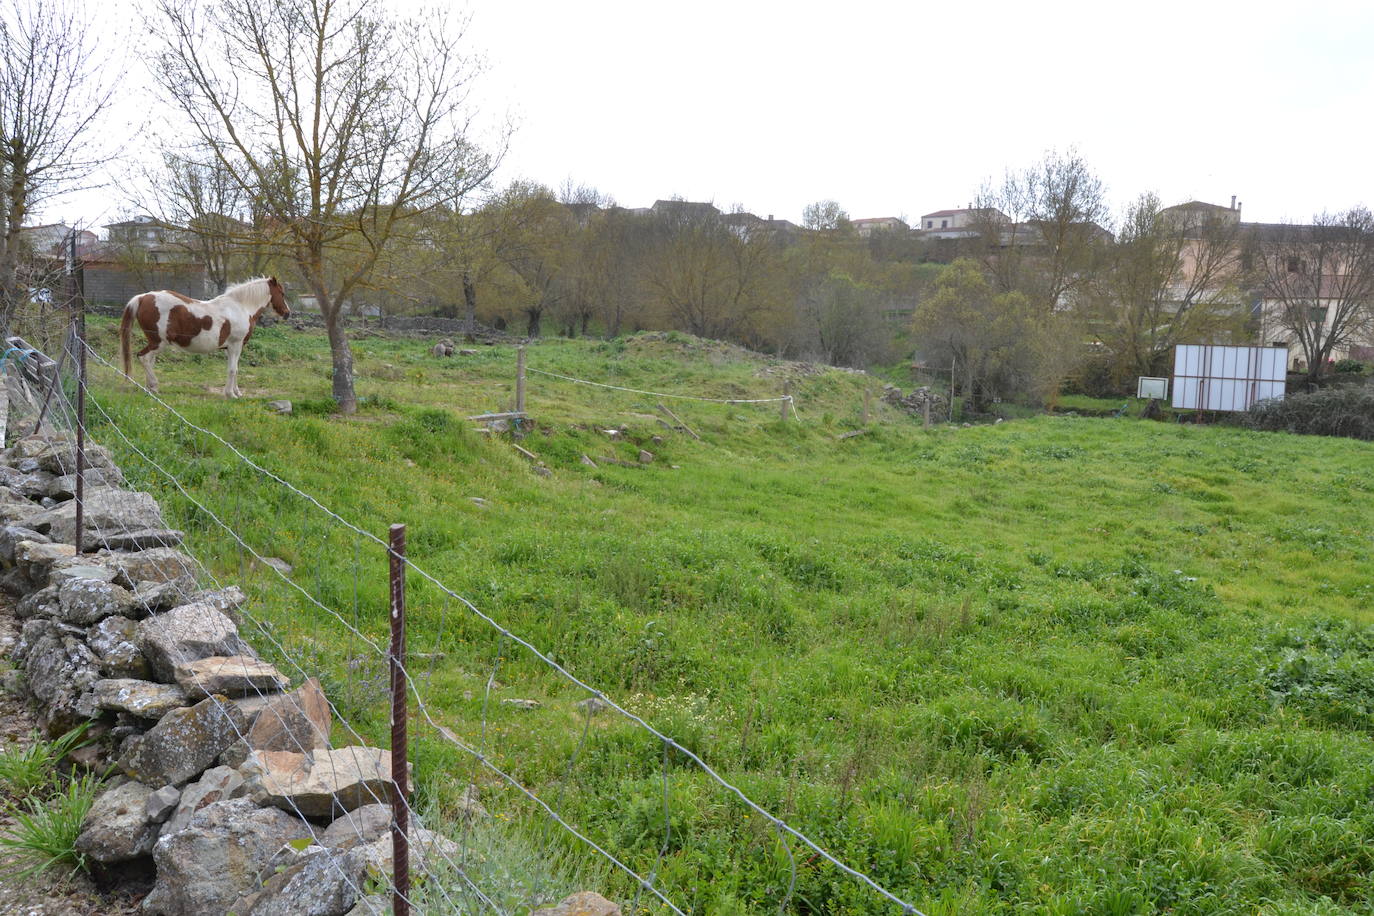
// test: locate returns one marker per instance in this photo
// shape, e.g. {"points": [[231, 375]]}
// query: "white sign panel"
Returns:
{"points": [[1227, 378], [1147, 387]]}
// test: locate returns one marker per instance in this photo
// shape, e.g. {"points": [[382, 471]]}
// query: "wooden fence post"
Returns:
{"points": [[520, 379]]}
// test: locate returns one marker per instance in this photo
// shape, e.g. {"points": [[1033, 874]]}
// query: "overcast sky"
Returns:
{"points": [[900, 108]]}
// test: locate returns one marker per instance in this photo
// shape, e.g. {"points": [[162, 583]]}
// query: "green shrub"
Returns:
{"points": [[1350, 366], [1338, 411]]}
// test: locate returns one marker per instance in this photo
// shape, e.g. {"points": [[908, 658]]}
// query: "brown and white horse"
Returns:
{"points": [[221, 323]]}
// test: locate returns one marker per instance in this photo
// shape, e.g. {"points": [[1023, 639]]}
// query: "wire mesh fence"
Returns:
{"points": [[624, 807]]}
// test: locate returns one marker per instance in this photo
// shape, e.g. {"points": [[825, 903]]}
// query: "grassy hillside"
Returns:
{"points": [[1052, 666]]}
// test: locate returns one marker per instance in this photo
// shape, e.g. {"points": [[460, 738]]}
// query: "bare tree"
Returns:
{"points": [[1172, 277], [219, 223], [52, 90], [1318, 282], [711, 278], [1042, 228], [342, 120], [825, 215]]}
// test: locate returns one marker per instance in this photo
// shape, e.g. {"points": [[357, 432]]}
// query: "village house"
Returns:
{"points": [[866, 227]]}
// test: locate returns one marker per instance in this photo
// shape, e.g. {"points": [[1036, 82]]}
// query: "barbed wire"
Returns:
{"points": [[594, 692]]}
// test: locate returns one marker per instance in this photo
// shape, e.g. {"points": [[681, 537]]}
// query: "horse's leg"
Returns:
{"points": [[146, 356], [231, 385]]}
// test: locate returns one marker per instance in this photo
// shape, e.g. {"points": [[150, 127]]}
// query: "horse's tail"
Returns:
{"points": [[124, 323]]}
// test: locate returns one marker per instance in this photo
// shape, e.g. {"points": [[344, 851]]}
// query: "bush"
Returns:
{"points": [[1340, 411], [1350, 366]]}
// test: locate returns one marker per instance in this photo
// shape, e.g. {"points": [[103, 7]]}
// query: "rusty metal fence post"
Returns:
{"points": [[400, 794], [80, 303]]}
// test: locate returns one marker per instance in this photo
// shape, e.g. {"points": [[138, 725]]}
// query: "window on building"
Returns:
{"points": [[930, 223], [944, 224], [1294, 264], [1317, 315]]}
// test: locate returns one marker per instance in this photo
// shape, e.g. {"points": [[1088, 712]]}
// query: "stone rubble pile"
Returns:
{"points": [[915, 403], [226, 777]]}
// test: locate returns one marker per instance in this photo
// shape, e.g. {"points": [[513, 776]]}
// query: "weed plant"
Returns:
{"points": [[43, 836]]}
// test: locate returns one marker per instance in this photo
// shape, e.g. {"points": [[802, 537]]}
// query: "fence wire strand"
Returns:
{"points": [[423, 707]]}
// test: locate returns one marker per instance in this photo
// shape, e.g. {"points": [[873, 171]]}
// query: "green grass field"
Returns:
{"points": [[1053, 666]]}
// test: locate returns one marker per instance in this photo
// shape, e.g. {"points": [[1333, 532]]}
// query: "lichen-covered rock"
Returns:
{"points": [[232, 676], [60, 671], [215, 784], [117, 828], [297, 721], [145, 699], [108, 512], [155, 565], [11, 535], [362, 825], [323, 783], [112, 640], [64, 486], [185, 634], [217, 858], [183, 743], [161, 804], [323, 882], [40, 603], [26, 486], [55, 453], [35, 559], [84, 601]]}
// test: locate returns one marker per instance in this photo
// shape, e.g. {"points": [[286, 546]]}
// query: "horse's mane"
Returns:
{"points": [[242, 287]]}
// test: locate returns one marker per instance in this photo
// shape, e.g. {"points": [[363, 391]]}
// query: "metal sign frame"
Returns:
{"points": [[1149, 387]]}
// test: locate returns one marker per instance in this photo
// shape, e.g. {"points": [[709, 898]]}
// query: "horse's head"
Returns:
{"points": [[276, 294]]}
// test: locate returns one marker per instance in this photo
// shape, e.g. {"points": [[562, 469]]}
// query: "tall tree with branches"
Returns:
{"points": [[1318, 282], [52, 91], [1173, 276], [342, 120]]}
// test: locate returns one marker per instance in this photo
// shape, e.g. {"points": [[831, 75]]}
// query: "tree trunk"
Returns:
{"points": [[470, 300], [342, 357], [16, 195], [532, 325]]}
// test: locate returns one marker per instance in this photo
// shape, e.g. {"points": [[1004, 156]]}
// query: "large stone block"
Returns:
{"points": [[323, 783], [297, 721], [108, 511], [186, 634], [117, 827], [232, 676], [183, 743], [217, 859]]}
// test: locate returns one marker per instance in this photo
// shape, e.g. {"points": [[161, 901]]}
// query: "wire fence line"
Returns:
{"points": [[785, 832], [188, 592]]}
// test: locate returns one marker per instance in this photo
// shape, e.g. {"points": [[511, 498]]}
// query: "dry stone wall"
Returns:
{"points": [[226, 776]]}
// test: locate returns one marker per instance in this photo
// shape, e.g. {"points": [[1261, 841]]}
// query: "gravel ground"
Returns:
{"points": [[52, 895]]}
